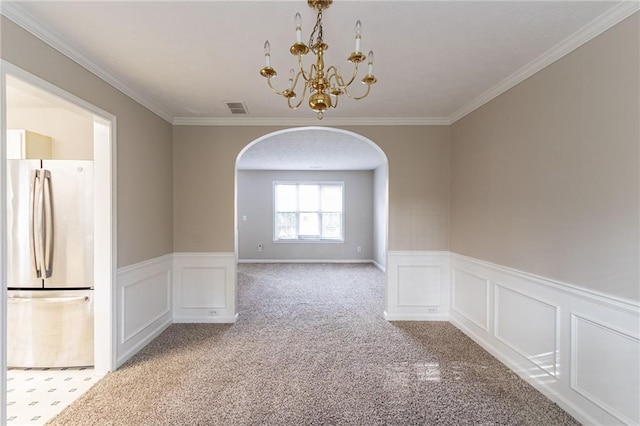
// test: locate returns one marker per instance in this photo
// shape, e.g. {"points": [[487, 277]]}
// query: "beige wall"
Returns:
{"points": [[144, 145], [204, 165], [418, 184], [545, 178]]}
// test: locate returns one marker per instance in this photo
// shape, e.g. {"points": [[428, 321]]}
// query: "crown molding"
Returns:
{"points": [[308, 121], [16, 14], [594, 28]]}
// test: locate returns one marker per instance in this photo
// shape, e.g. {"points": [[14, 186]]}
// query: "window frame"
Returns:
{"points": [[307, 239]]}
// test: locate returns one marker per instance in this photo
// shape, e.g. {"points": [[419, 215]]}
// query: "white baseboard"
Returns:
{"points": [[144, 304], [305, 261], [124, 357], [206, 320], [578, 347], [379, 266], [415, 317]]}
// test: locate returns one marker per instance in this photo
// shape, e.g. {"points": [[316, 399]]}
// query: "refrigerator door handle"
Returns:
{"points": [[19, 299], [47, 224], [36, 222]]}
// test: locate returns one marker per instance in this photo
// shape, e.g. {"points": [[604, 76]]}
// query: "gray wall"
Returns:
{"points": [[418, 159], [545, 177], [255, 201], [144, 172]]}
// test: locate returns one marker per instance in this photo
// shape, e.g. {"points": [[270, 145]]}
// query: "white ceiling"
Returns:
{"points": [[23, 95], [436, 61]]}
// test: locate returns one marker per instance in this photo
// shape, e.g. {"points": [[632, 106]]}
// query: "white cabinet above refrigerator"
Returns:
{"points": [[26, 145]]}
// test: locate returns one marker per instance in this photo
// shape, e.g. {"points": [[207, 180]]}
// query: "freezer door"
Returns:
{"points": [[50, 328], [69, 251], [21, 258]]}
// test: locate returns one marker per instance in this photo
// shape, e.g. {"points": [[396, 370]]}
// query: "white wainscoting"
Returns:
{"points": [[144, 304], [580, 348], [204, 287], [417, 286]]}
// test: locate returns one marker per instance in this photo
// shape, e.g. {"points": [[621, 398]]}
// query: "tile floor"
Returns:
{"points": [[35, 396]]}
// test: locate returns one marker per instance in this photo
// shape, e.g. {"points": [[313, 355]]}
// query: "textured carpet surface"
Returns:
{"points": [[311, 348]]}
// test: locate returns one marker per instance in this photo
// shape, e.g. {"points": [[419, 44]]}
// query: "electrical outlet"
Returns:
{"points": [[359, 249], [259, 247], [432, 310], [212, 312]]}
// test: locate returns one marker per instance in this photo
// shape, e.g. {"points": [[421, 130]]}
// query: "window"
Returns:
{"points": [[308, 211]]}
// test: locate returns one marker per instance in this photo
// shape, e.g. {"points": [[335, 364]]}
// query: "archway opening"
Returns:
{"points": [[313, 160]]}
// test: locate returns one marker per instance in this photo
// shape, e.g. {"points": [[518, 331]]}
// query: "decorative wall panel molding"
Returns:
{"points": [[602, 359], [470, 296], [578, 347], [527, 325], [417, 286], [144, 299], [204, 287]]}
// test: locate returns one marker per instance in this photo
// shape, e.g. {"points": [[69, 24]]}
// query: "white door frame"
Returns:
{"points": [[105, 242]]}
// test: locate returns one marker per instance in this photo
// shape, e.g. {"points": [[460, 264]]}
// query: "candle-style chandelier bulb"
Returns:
{"points": [[267, 54], [292, 75], [298, 22], [267, 71], [325, 84]]}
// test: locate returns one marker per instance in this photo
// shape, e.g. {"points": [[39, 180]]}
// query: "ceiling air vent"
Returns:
{"points": [[236, 107]]}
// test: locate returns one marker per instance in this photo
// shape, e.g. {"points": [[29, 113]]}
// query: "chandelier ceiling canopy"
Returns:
{"points": [[324, 85]]}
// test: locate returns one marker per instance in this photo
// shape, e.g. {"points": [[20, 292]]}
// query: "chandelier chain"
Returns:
{"points": [[313, 41]]}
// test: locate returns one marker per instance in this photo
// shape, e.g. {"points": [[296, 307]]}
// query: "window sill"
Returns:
{"points": [[310, 240]]}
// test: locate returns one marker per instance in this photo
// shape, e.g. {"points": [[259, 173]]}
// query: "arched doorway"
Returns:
{"points": [[302, 155]]}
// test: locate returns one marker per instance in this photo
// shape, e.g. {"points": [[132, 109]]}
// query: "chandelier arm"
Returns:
{"points": [[357, 98], [301, 69], [335, 104], [313, 70], [353, 77], [295, 81], [340, 81], [332, 73], [304, 93], [273, 89]]}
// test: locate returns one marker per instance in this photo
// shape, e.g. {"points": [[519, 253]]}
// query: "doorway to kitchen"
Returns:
{"points": [[73, 129]]}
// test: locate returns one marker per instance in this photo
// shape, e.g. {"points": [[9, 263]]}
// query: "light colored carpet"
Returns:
{"points": [[311, 348]]}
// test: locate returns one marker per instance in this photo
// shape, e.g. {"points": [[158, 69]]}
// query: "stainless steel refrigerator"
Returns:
{"points": [[50, 304]]}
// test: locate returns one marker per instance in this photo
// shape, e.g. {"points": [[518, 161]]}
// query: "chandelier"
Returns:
{"points": [[325, 86]]}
